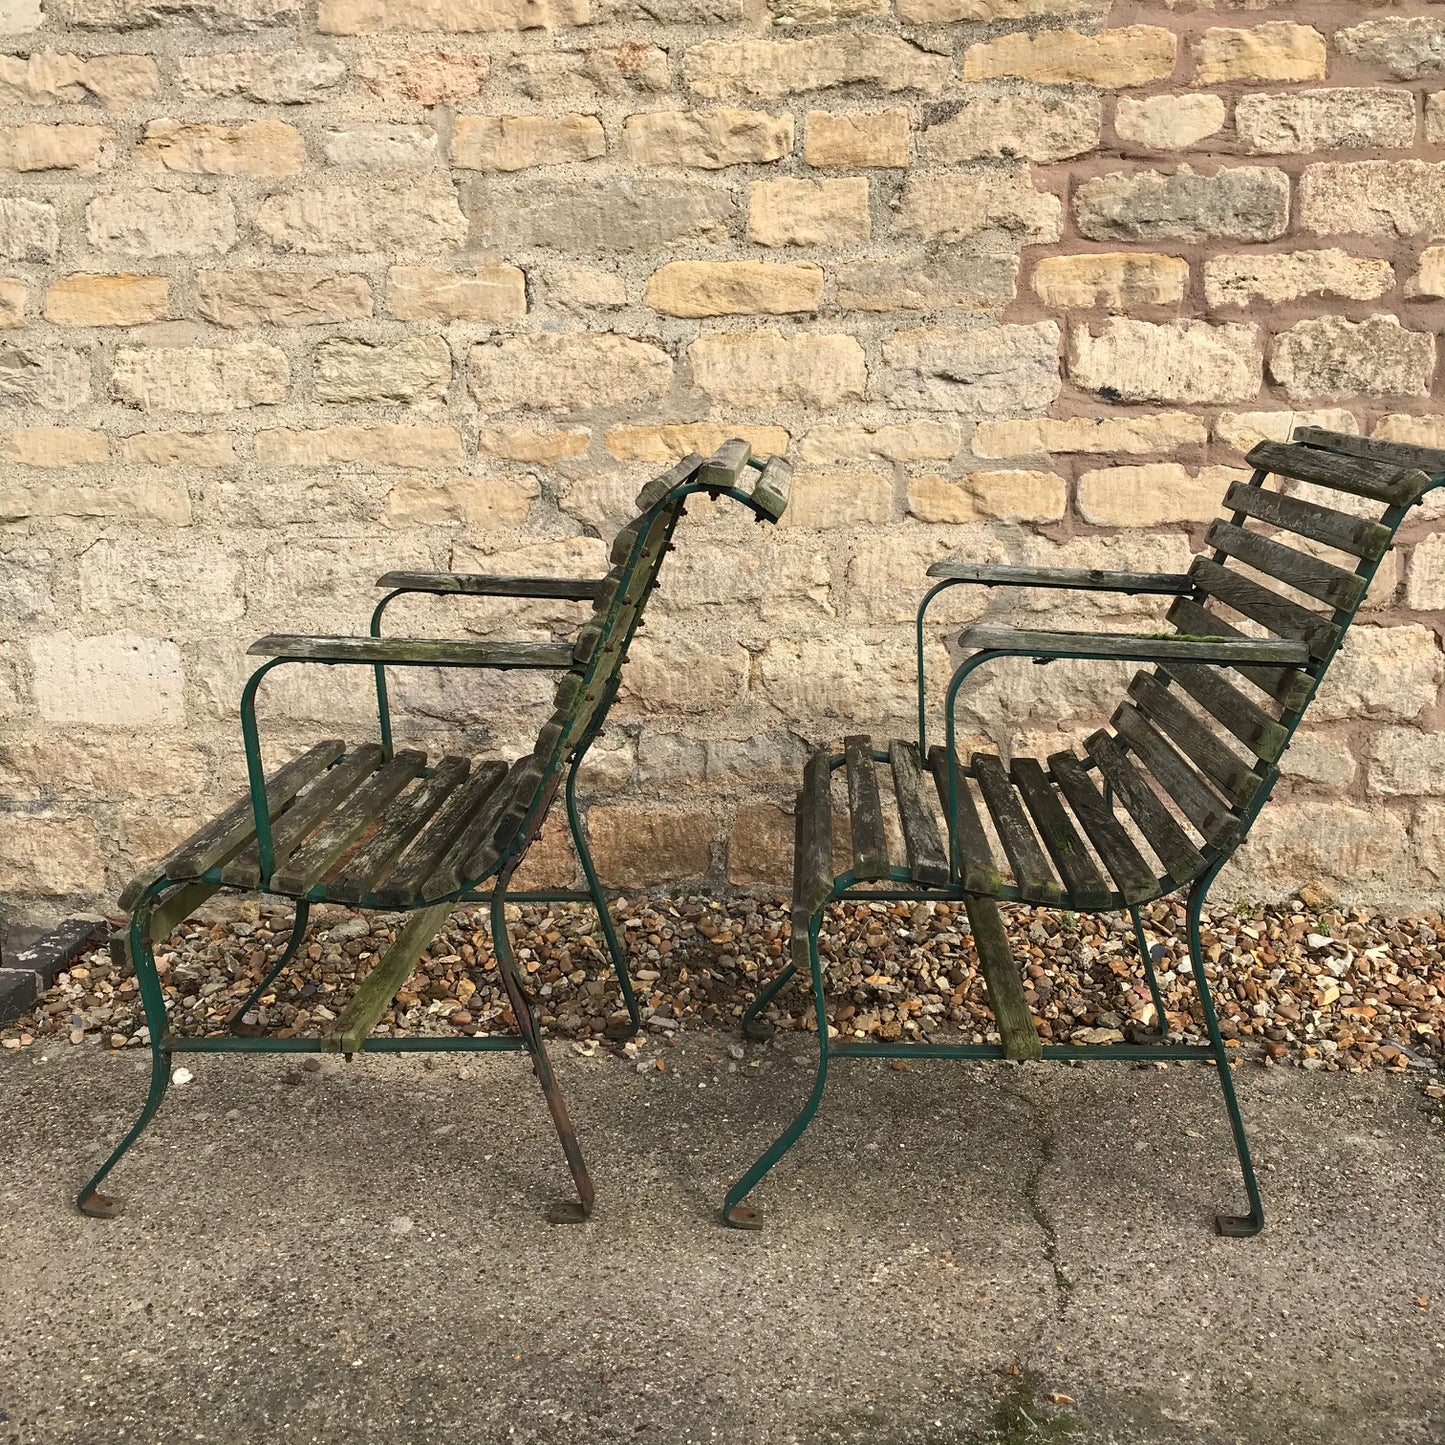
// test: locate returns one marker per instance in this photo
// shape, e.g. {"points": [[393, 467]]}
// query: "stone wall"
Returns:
{"points": [[294, 292]]}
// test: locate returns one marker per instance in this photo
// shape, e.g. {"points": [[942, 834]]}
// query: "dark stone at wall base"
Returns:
{"points": [[27, 973]]}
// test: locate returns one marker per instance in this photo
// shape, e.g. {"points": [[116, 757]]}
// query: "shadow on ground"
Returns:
{"points": [[953, 1254]]}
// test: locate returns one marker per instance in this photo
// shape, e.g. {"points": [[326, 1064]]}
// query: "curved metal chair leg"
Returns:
{"points": [[90, 1201], [599, 899], [566, 1211], [751, 1025], [298, 932], [734, 1212], [1237, 1226], [1144, 952]]}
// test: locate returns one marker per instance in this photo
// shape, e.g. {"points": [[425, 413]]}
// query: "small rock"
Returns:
{"points": [[402, 1224], [181, 1077]]}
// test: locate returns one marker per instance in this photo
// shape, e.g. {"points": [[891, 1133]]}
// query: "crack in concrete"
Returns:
{"points": [[1063, 1285]]}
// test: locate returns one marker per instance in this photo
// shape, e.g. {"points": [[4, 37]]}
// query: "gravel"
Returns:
{"points": [[1302, 982]]}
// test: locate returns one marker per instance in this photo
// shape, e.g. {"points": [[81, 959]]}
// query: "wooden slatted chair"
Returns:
{"points": [[1160, 799], [377, 827]]}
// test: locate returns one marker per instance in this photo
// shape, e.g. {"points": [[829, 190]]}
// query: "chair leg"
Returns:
{"points": [[1144, 952], [599, 899], [1237, 1226], [565, 1212], [752, 1026], [90, 1201], [734, 1212], [298, 932]]}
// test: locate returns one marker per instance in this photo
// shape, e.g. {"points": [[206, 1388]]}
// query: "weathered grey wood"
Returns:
{"points": [[459, 865], [773, 486], [1249, 722], [310, 863], [1169, 842], [1356, 535], [1284, 618], [420, 652], [1133, 876], [1090, 579], [476, 584], [309, 810], [979, 872], [404, 883], [1016, 1028], [1288, 686], [927, 857], [1083, 882], [725, 465], [865, 809], [229, 832], [1359, 536], [348, 1032], [517, 824], [1211, 755], [1380, 481], [1430, 460], [674, 476], [813, 840], [1321, 580], [1031, 870], [1217, 825], [401, 822], [1126, 646]]}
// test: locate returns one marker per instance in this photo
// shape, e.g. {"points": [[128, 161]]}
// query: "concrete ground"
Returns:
{"points": [[359, 1254]]}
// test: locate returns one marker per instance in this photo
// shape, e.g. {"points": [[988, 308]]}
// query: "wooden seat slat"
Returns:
{"points": [[402, 821], [402, 884], [1344, 532], [1167, 840], [1289, 686], [978, 870], [310, 862], [1216, 823], [1282, 617], [1380, 481], [230, 831], [927, 857], [1030, 868], [865, 809], [309, 810], [1315, 578], [1210, 754], [1254, 727], [1429, 460], [1085, 885], [1132, 875]]}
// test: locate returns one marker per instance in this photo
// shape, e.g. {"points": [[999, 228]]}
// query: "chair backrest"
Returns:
{"points": [[586, 691], [1281, 565]]}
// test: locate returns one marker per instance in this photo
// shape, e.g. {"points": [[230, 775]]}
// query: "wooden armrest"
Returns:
{"points": [[475, 584], [1133, 647], [419, 652], [1077, 579]]}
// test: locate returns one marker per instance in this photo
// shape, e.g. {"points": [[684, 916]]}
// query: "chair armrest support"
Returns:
{"points": [[1133, 647], [1080, 579], [414, 652], [475, 584]]}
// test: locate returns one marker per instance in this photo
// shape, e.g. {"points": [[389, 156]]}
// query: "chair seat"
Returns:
{"points": [[1048, 832], [352, 825]]}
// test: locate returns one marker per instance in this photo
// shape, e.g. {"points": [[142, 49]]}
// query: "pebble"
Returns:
{"points": [[1304, 981]]}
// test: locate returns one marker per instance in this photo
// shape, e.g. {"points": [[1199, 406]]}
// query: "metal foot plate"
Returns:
{"points": [[742, 1216], [1237, 1226], [99, 1206]]}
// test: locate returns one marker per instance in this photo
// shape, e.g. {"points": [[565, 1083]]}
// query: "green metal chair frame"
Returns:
{"points": [[1191, 779], [373, 827]]}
